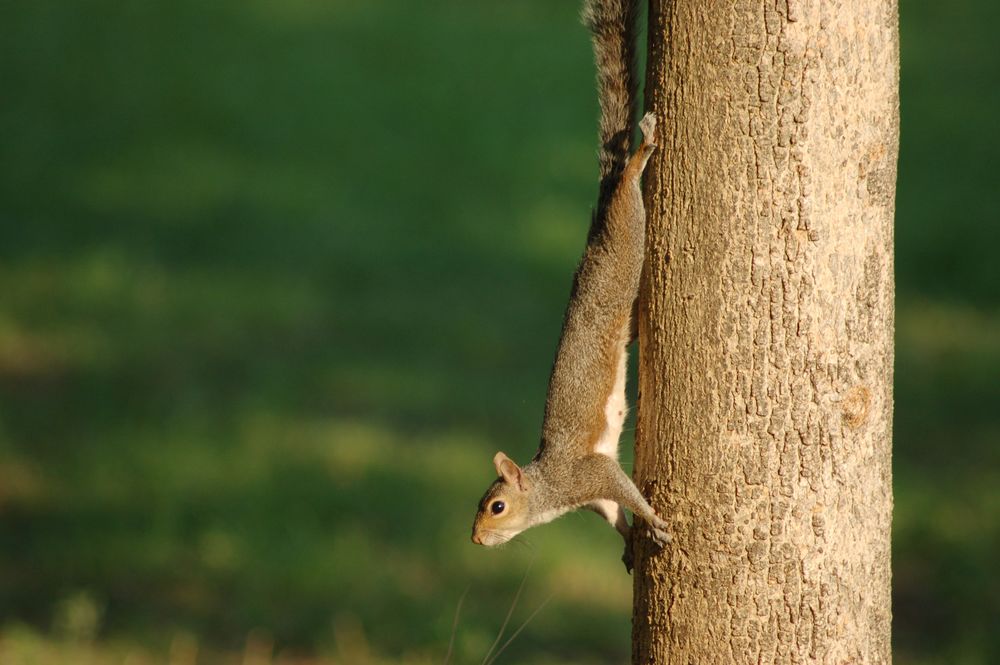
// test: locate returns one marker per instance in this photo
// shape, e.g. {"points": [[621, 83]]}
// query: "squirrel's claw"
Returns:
{"points": [[648, 127], [659, 536], [658, 532], [627, 558]]}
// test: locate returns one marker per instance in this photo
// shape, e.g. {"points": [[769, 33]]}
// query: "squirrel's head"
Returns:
{"points": [[504, 510]]}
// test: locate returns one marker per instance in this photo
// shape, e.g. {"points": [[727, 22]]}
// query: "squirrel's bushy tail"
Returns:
{"points": [[613, 25]]}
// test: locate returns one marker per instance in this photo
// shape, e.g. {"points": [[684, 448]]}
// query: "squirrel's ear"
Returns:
{"points": [[509, 471]]}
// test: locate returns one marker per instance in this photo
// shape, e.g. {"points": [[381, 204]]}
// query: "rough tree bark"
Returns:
{"points": [[766, 330]]}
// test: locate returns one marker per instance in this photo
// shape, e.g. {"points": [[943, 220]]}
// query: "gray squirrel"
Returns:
{"points": [[577, 462]]}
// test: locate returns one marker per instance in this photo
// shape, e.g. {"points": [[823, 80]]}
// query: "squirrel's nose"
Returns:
{"points": [[476, 539]]}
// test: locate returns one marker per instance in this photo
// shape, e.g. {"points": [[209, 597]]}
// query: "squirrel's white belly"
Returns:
{"points": [[614, 411]]}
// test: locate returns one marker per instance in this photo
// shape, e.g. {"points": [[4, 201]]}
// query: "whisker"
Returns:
{"points": [[454, 626], [510, 612], [522, 627], [523, 543]]}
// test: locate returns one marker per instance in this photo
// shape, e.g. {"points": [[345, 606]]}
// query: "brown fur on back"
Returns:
{"points": [[597, 322]]}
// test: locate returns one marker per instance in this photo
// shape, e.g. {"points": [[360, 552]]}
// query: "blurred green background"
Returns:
{"points": [[278, 277]]}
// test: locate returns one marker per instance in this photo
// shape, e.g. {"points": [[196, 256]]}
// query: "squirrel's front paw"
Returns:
{"points": [[659, 536], [658, 532], [627, 558]]}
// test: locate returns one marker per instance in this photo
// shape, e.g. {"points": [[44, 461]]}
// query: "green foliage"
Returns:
{"points": [[279, 277]]}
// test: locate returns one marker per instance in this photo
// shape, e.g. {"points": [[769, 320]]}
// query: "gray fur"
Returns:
{"points": [[567, 472], [614, 26]]}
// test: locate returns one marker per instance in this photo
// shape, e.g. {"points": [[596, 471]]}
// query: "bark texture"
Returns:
{"points": [[766, 332]]}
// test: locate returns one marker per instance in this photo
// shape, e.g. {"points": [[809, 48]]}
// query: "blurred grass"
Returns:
{"points": [[278, 278]]}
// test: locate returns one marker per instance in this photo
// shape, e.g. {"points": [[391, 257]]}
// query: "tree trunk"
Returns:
{"points": [[766, 326]]}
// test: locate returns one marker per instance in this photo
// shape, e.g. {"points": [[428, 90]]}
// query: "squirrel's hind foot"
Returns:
{"points": [[648, 127]]}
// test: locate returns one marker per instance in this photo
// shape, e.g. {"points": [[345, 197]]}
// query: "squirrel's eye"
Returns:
{"points": [[497, 507]]}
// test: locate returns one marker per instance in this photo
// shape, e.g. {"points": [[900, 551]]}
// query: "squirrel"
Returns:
{"points": [[577, 462]]}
